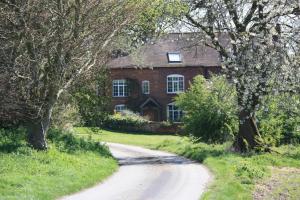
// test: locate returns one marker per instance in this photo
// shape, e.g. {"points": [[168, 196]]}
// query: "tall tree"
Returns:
{"points": [[258, 41], [47, 45]]}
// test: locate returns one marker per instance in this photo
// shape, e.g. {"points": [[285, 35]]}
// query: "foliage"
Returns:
{"points": [[66, 113], [258, 44], [47, 46], [67, 142], [234, 175], [153, 21], [29, 174], [126, 120], [279, 119], [93, 98], [12, 139], [210, 109]]}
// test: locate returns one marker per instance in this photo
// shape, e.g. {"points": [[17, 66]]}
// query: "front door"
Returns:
{"points": [[151, 114]]}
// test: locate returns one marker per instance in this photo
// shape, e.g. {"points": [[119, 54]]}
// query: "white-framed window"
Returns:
{"points": [[146, 87], [120, 88], [175, 83], [120, 108], [174, 57], [174, 113]]}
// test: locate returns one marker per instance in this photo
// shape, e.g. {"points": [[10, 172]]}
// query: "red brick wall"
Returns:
{"points": [[158, 84]]}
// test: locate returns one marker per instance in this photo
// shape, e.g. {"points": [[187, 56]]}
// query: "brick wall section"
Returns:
{"points": [[158, 84]]}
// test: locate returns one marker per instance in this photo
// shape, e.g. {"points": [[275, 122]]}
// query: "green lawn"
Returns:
{"points": [[235, 176], [145, 140], [26, 174]]}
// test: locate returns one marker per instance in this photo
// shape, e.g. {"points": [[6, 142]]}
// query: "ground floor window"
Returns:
{"points": [[120, 108], [174, 113]]}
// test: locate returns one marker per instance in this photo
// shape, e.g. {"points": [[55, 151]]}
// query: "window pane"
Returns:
{"points": [[170, 89], [126, 92], [181, 86], [176, 86], [171, 115], [115, 90], [176, 117], [121, 91], [145, 87]]}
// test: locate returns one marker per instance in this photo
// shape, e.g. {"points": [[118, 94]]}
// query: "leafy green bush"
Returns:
{"points": [[126, 121], [279, 119], [93, 98], [12, 139], [210, 109]]}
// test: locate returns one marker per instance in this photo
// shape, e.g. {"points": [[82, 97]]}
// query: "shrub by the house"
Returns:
{"points": [[125, 121], [210, 109]]}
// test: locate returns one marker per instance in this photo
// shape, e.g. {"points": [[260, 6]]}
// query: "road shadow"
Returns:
{"points": [[153, 160]]}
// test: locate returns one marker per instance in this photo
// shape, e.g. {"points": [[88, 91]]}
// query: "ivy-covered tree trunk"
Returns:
{"points": [[248, 131]]}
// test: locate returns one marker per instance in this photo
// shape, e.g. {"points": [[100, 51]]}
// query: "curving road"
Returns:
{"points": [[149, 175]]}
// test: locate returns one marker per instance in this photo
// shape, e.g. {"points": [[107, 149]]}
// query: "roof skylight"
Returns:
{"points": [[174, 57]]}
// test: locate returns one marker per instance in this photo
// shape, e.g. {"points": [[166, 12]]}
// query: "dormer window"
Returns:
{"points": [[174, 57]]}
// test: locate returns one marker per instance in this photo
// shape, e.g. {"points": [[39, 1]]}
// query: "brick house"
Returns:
{"points": [[148, 81]]}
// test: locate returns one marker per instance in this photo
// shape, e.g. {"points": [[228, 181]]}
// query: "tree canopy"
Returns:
{"points": [[258, 42]]}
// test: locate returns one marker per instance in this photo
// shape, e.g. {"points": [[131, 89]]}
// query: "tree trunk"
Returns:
{"points": [[38, 128], [37, 135], [248, 131]]}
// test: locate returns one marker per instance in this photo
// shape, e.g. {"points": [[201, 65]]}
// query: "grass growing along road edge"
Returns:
{"points": [[68, 166], [235, 176]]}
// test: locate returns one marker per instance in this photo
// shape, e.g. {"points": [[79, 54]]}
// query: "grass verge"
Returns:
{"points": [[235, 175], [69, 165]]}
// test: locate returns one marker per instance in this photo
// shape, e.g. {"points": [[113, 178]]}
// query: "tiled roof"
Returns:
{"points": [[155, 54]]}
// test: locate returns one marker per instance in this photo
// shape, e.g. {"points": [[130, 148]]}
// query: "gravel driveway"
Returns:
{"points": [[149, 175]]}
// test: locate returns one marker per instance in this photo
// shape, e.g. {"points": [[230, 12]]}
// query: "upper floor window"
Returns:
{"points": [[174, 57], [146, 87], [120, 108], [175, 83], [120, 88], [174, 113]]}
